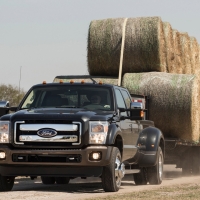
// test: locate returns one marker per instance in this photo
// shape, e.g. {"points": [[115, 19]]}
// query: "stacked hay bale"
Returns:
{"points": [[170, 46], [144, 46], [177, 52], [174, 101], [152, 46]]}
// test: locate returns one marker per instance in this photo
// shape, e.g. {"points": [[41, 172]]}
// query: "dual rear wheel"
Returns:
{"points": [[153, 175]]}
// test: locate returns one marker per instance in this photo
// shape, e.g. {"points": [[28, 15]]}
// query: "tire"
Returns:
{"points": [[141, 178], [48, 180], [186, 171], [113, 174], [6, 183], [62, 180], [155, 173], [190, 163], [190, 169]]}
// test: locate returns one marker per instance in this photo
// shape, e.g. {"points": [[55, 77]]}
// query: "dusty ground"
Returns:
{"points": [[27, 189]]}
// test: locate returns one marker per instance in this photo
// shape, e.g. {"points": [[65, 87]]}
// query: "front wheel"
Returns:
{"points": [[48, 180], [113, 173], [62, 180], [6, 183], [155, 173]]}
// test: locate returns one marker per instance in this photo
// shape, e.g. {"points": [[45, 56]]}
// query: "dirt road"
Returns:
{"points": [[27, 189]]}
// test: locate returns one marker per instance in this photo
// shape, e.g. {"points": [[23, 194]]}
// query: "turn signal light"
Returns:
{"points": [[141, 113]]}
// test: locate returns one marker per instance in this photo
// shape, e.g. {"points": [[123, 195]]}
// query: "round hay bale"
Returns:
{"points": [[170, 51], [174, 101], [144, 46], [177, 51], [185, 53], [194, 48]]}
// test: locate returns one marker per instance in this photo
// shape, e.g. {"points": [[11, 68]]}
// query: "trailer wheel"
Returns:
{"points": [[113, 173], [6, 183], [48, 180], [155, 173], [141, 178], [62, 180]]}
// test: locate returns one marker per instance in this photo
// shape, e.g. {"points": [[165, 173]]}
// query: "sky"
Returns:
{"points": [[40, 39]]}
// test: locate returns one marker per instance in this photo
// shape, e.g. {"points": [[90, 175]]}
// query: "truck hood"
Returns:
{"points": [[59, 114]]}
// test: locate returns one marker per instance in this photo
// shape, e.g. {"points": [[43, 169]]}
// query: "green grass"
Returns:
{"points": [[183, 192]]}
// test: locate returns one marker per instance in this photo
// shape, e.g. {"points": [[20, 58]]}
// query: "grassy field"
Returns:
{"points": [[183, 192]]}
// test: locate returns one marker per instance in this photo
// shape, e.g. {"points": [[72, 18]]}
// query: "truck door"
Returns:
{"points": [[129, 128]]}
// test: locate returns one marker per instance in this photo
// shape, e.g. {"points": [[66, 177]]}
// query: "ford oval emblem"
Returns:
{"points": [[47, 133]]}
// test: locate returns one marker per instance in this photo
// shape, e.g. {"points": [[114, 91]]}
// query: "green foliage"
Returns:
{"points": [[11, 93]]}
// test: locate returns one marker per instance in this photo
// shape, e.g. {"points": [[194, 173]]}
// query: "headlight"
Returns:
{"points": [[98, 132], [4, 131]]}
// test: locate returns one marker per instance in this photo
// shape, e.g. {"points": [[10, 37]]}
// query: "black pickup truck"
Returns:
{"points": [[61, 131]]}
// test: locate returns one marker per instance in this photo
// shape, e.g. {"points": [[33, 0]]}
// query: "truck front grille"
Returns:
{"points": [[44, 133]]}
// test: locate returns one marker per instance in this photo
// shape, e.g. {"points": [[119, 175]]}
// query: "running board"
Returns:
{"points": [[132, 171]]}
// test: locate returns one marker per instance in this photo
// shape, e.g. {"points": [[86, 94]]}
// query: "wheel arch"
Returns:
{"points": [[114, 137]]}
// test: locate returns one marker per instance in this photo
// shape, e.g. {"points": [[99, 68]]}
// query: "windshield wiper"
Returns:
{"points": [[67, 107]]}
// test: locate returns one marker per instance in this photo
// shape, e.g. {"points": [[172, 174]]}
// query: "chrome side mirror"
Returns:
{"points": [[136, 105], [4, 104]]}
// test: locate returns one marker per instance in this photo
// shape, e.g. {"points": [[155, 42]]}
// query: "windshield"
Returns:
{"points": [[70, 96]]}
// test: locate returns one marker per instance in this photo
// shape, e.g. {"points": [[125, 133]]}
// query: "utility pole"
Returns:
{"points": [[19, 84], [20, 78]]}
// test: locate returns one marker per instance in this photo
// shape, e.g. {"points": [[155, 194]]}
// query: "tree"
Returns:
{"points": [[11, 93]]}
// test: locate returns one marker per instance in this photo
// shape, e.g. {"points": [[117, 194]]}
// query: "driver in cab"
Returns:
{"points": [[95, 101]]}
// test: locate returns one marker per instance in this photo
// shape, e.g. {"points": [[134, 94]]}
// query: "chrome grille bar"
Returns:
{"points": [[57, 127], [57, 138]]}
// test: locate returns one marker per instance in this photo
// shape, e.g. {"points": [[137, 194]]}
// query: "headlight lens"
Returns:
{"points": [[98, 132], [4, 131]]}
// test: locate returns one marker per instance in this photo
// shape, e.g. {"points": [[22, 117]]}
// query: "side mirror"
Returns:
{"points": [[136, 111], [136, 105], [4, 107], [4, 104]]}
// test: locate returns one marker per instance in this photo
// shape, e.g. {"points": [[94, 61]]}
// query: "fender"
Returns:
{"points": [[148, 142], [113, 131], [149, 139]]}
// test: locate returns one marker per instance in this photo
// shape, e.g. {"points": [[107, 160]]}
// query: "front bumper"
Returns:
{"points": [[10, 166]]}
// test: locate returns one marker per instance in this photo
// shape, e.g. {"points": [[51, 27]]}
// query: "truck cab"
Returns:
{"points": [[65, 130]]}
